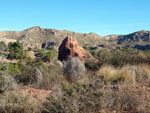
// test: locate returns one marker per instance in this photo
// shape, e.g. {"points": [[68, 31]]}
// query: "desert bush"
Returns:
{"points": [[13, 69], [28, 72], [143, 73], [51, 48], [124, 100], [3, 46], [7, 83], [15, 102], [26, 75], [37, 63], [122, 57], [93, 53], [16, 51], [28, 60], [39, 74], [92, 65], [74, 69], [51, 75], [29, 75], [49, 56], [85, 98], [86, 48], [46, 55], [4, 68], [29, 48]]}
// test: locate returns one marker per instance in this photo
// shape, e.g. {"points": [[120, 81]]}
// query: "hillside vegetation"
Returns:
{"points": [[117, 82]]}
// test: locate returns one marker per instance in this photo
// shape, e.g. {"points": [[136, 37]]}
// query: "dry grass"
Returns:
{"points": [[127, 73], [112, 74], [143, 74]]}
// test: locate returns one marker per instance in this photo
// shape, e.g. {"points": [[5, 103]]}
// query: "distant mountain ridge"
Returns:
{"points": [[140, 37], [36, 36], [39, 37]]}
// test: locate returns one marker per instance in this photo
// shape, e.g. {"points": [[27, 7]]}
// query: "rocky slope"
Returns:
{"points": [[134, 39], [39, 37]]}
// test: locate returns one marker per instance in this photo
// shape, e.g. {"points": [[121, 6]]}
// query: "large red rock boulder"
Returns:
{"points": [[70, 47]]}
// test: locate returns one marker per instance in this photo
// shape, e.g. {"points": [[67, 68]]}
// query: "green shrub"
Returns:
{"points": [[49, 56], [86, 48], [93, 53], [29, 48], [51, 48], [16, 51], [37, 63], [45, 55], [2, 46], [13, 69], [40, 53], [122, 57], [28, 59], [92, 65], [26, 75]]}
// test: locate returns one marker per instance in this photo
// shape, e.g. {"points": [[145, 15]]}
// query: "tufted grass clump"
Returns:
{"points": [[115, 75]]}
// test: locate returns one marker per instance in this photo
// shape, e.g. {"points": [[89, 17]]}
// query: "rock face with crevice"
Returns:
{"points": [[70, 47]]}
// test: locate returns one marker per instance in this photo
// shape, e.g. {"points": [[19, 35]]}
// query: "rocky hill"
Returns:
{"points": [[39, 37], [135, 39]]}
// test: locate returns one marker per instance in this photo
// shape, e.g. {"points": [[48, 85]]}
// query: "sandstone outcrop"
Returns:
{"points": [[70, 47]]}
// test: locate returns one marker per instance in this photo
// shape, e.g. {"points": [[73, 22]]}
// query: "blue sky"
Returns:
{"points": [[104, 17]]}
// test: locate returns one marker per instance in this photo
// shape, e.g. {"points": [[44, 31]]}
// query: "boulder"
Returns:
{"points": [[37, 75], [59, 64], [75, 69], [70, 48]]}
